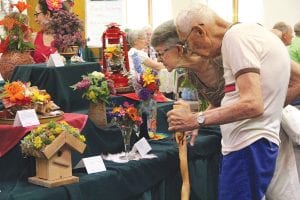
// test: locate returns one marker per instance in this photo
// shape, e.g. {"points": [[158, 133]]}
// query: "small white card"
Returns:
{"points": [[142, 146], [92, 164], [26, 118], [55, 60]]}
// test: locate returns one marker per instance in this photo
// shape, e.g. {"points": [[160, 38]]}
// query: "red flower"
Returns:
{"points": [[21, 6], [4, 44], [152, 87]]}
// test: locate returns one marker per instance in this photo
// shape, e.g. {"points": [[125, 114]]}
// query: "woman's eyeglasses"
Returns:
{"points": [[37, 13], [160, 55]]}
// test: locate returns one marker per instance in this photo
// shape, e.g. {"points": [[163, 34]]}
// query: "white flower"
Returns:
{"points": [[98, 75]]}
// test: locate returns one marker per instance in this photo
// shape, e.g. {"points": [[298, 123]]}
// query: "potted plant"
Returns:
{"points": [[68, 32], [97, 90], [16, 44]]}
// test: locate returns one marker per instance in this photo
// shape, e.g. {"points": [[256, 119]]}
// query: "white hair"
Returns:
{"points": [[199, 13]]}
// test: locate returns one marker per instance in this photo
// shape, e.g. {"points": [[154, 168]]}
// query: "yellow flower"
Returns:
{"points": [[37, 143], [82, 138], [51, 137], [57, 130], [91, 95], [148, 78]]}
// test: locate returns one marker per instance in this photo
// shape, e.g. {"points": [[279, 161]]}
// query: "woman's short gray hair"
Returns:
{"points": [[165, 34], [134, 35]]}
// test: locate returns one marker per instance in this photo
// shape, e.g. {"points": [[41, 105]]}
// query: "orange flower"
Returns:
{"points": [[14, 91], [9, 22], [133, 113], [21, 6]]}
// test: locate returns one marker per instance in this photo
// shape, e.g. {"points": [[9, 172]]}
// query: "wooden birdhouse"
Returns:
{"points": [[54, 164]]}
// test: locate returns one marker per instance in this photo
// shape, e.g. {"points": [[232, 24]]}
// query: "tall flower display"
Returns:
{"points": [[146, 84], [16, 43], [127, 118], [67, 30]]}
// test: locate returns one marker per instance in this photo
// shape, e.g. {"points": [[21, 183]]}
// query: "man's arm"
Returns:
{"points": [[294, 84], [249, 105]]}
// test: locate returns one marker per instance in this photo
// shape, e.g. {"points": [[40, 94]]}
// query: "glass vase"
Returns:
{"points": [[126, 134], [149, 107]]}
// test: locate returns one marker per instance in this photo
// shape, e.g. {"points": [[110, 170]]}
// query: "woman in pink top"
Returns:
{"points": [[44, 40]]}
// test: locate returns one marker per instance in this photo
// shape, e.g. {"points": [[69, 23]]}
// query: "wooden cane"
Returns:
{"points": [[184, 170]]}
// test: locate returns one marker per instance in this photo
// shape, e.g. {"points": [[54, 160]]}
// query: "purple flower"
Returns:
{"points": [[144, 94], [83, 84]]}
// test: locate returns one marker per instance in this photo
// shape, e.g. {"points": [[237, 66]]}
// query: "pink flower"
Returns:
{"points": [[83, 84]]}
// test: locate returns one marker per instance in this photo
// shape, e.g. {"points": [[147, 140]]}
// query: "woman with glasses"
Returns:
{"points": [[43, 39], [205, 74]]}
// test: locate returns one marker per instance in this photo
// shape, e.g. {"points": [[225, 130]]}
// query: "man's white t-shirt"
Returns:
{"points": [[251, 47]]}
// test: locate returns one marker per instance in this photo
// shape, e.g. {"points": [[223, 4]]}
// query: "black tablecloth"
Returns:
{"points": [[157, 179], [57, 81]]}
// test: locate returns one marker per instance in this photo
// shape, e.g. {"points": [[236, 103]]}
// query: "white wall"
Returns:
{"points": [[266, 12], [280, 10]]}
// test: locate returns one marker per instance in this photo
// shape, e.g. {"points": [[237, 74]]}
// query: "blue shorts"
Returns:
{"points": [[246, 174]]}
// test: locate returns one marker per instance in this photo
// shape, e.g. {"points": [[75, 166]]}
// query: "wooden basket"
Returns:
{"points": [[97, 113]]}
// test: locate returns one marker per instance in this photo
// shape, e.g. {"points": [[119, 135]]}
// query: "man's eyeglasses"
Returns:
{"points": [[37, 13], [160, 55], [185, 43]]}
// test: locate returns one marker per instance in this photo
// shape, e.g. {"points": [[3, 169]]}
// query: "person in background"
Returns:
{"points": [[286, 32], [149, 49], [43, 39], [294, 48], [250, 111], [137, 41]]}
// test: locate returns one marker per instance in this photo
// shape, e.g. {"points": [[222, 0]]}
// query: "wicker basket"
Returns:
{"points": [[10, 60], [97, 113]]}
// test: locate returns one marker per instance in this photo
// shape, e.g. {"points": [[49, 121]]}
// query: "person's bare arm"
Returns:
{"points": [[249, 105], [294, 84], [153, 64]]}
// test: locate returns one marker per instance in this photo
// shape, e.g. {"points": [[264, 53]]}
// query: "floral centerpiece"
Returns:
{"points": [[17, 95], [127, 118], [45, 134], [146, 84], [114, 56], [67, 30], [16, 42], [97, 90]]}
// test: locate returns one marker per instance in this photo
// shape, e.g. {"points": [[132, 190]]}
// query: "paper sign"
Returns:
{"points": [[142, 146], [92, 164], [55, 60], [26, 118]]}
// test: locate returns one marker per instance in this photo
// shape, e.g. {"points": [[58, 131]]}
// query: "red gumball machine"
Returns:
{"points": [[115, 56]]}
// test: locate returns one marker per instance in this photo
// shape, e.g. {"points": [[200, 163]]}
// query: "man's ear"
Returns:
{"points": [[200, 30]]}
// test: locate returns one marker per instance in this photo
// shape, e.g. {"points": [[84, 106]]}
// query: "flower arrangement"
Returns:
{"points": [[17, 95], [146, 83], [67, 30], [45, 134], [17, 32], [96, 87], [124, 116], [115, 56]]}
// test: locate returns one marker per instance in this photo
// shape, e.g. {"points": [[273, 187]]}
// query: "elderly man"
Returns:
{"points": [[256, 71]]}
